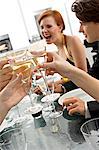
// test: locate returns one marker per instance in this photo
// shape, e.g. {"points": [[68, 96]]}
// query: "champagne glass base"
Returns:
{"points": [[55, 114], [36, 109], [48, 108]]}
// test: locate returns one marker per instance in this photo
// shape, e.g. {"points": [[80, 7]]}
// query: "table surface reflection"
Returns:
{"points": [[68, 138], [41, 138]]}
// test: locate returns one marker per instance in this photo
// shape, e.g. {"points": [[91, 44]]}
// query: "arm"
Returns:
{"points": [[77, 50], [78, 76], [12, 94], [78, 53], [85, 81], [5, 73]]}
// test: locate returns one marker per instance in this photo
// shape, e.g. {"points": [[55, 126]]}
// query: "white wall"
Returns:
{"points": [[20, 25], [11, 23]]}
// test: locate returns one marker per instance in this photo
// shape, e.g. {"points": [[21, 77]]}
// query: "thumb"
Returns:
{"points": [[14, 76], [48, 65], [17, 77], [3, 62]]}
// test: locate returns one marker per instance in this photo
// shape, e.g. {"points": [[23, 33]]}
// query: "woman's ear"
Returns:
{"points": [[61, 28]]}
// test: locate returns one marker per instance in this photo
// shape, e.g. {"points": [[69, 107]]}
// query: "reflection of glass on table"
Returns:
{"points": [[13, 139], [42, 138]]}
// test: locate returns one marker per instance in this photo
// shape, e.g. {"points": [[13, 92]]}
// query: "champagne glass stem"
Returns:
{"points": [[45, 81], [30, 95], [52, 92], [31, 92]]}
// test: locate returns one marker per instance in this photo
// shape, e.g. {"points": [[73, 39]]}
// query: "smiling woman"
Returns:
{"points": [[52, 28]]}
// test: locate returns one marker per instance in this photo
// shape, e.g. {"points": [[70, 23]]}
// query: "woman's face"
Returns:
{"points": [[89, 29], [50, 30]]}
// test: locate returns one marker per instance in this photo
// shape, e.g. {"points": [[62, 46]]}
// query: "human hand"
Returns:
{"points": [[57, 87], [37, 90], [5, 73], [48, 70], [12, 94], [14, 91], [38, 53], [74, 105], [56, 64]]}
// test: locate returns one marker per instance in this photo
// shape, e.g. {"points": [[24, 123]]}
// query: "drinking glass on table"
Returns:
{"points": [[13, 138], [90, 131], [51, 100]]}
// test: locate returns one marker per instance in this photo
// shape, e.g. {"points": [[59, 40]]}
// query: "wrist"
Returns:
{"points": [[69, 70], [3, 109], [3, 112]]}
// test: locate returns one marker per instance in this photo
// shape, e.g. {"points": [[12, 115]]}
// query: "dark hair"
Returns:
{"points": [[55, 14], [86, 10]]}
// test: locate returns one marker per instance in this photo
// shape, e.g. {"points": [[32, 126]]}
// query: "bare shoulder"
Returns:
{"points": [[74, 44], [73, 40]]}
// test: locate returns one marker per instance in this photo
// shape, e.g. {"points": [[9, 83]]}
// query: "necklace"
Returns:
{"points": [[64, 51]]}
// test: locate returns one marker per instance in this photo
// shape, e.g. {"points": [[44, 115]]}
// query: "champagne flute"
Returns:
{"points": [[15, 61], [50, 99], [23, 60], [40, 56]]}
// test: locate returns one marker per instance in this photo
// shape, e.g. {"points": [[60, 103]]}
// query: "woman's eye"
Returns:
{"points": [[41, 27], [49, 26]]}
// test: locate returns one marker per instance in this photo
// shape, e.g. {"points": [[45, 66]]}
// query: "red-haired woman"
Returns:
{"points": [[69, 47]]}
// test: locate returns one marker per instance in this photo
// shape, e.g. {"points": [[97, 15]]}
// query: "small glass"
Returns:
{"points": [[57, 130], [90, 131], [55, 126], [13, 139], [50, 99]]}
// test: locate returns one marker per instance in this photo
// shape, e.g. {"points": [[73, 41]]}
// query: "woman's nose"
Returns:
{"points": [[44, 30]]}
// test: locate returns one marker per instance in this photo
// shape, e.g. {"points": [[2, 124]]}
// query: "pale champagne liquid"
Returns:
{"points": [[24, 67], [26, 63], [29, 62], [19, 65]]}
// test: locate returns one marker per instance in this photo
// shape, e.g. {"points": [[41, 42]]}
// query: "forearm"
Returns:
{"points": [[3, 106], [84, 81], [3, 112]]}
